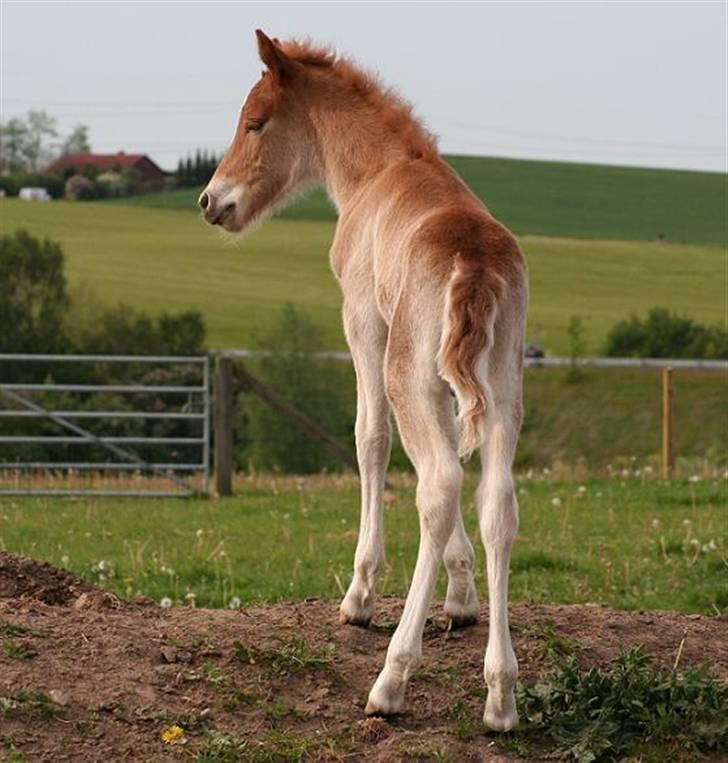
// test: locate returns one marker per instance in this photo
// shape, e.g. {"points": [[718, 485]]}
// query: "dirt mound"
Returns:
{"points": [[23, 578], [283, 682]]}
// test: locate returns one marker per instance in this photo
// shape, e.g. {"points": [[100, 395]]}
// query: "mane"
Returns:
{"points": [[390, 107]]}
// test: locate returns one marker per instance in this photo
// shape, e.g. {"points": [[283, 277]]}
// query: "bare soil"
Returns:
{"points": [[87, 677]]}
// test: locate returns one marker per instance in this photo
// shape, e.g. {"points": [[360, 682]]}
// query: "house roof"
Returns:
{"points": [[102, 161]]}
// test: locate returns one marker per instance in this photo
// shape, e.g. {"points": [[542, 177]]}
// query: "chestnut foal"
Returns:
{"points": [[435, 293]]}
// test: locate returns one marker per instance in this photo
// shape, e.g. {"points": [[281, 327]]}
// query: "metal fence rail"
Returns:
{"points": [[546, 362], [124, 459]]}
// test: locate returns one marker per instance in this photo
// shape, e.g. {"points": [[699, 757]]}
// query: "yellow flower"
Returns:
{"points": [[173, 734]]}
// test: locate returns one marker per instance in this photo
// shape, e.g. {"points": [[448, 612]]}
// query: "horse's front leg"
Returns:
{"points": [[366, 334]]}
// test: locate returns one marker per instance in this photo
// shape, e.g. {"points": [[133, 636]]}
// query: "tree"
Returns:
{"points": [[289, 366], [33, 295], [13, 137], [77, 142], [40, 127]]}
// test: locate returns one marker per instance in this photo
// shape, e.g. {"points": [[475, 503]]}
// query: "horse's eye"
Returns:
{"points": [[254, 125]]}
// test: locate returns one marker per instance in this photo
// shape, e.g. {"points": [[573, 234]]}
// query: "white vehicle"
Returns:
{"points": [[34, 194]]}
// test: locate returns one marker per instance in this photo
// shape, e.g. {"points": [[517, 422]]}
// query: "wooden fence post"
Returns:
{"points": [[223, 423], [667, 455]]}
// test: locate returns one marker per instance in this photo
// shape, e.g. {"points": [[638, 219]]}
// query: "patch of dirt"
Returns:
{"points": [[23, 578], [88, 677]]}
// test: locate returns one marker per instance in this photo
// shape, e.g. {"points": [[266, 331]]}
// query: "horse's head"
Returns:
{"points": [[272, 151]]}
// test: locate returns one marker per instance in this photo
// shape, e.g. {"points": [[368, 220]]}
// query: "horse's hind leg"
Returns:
{"points": [[498, 515], [424, 411]]}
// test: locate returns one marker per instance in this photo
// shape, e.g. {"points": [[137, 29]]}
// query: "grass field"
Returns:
{"points": [[624, 542], [563, 200], [157, 259]]}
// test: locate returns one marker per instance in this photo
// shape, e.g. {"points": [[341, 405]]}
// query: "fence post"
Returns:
{"points": [[667, 456], [223, 422]]}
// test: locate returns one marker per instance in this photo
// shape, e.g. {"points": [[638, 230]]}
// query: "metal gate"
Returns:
{"points": [[187, 402]]}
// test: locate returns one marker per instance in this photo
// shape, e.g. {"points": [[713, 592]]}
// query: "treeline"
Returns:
{"points": [[196, 169]]}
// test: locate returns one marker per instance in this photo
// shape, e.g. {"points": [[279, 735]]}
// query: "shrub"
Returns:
{"points": [[664, 334], [627, 710], [33, 296]]}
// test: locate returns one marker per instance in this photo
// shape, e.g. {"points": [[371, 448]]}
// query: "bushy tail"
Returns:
{"points": [[470, 312]]}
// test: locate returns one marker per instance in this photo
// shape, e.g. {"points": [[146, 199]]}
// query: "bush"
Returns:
{"points": [[33, 296], [664, 334], [625, 711]]}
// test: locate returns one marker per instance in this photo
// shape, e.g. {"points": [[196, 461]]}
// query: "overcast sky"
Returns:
{"points": [[634, 83]]}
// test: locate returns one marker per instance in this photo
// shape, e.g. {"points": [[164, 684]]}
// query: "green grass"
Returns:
{"points": [[626, 543], [614, 416], [561, 199], [156, 259]]}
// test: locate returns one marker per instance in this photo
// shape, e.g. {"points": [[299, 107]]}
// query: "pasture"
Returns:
{"points": [[626, 541], [157, 259], [559, 199]]}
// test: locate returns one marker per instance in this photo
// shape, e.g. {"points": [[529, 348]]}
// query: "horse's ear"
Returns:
{"points": [[279, 65]]}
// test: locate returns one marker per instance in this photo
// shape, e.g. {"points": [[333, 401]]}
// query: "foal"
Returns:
{"points": [[435, 293]]}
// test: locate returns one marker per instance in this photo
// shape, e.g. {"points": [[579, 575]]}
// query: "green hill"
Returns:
{"points": [[561, 199], [158, 259]]}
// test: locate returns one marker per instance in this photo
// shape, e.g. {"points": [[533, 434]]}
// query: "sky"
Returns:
{"points": [[627, 83]]}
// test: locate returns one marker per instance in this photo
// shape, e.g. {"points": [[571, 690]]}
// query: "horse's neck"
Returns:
{"points": [[352, 155]]}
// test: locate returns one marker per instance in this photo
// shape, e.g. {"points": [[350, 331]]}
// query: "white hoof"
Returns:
{"points": [[500, 712], [462, 615], [386, 696], [356, 610]]}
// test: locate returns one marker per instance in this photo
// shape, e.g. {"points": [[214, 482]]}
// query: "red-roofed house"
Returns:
{"points": [[71, 163]]}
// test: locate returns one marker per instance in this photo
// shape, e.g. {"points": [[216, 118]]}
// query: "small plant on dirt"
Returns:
{"points": [[10, 630], [31, 704], [292, 657], [629, 709], [554, 645], [16, 650], [274, 746], [467, 724]]}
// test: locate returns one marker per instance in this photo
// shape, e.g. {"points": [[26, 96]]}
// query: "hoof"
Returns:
{"points": [[462, 616], [463, 622], [360, 622], [501, 718], [386, 697], [352, 614]]}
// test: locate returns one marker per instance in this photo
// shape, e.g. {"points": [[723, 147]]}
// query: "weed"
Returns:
{"points": [[274, 746], [9, 630], [554, 644], [291, 657], [15, 650], [87, 729], [466, 725], [607, 715], [32, 704], [212, 674]]}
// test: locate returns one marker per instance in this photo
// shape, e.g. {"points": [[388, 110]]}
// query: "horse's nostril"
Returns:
{"points": [[204, 200]]}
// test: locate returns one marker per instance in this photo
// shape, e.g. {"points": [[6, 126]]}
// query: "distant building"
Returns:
{"points": [[71, 164]]}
